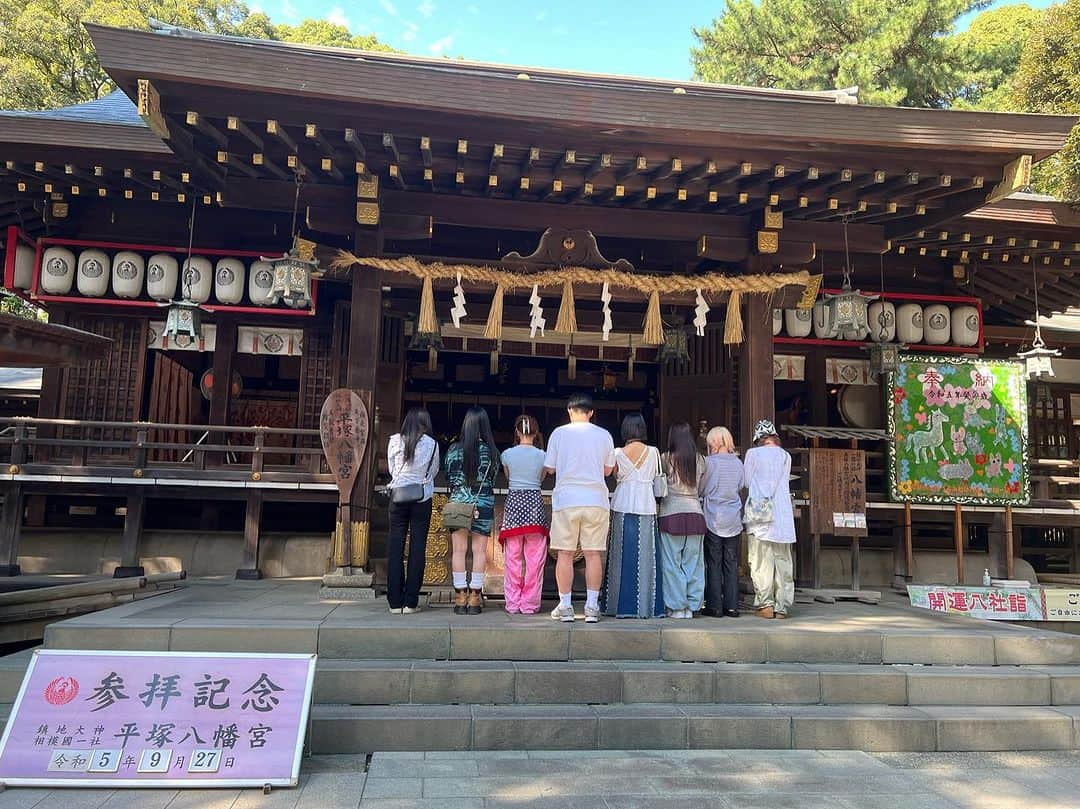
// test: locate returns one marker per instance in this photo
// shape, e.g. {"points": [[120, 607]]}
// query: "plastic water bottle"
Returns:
{"points": [[986, 577]]}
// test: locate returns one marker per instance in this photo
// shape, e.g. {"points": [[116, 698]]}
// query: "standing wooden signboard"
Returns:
{"points": [[344, 428], [837, 503], [838, 492]]}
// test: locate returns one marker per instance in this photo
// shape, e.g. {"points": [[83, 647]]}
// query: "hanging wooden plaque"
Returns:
{"points": [[344, 428]]}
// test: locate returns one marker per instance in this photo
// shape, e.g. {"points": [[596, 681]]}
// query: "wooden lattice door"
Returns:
{"points": [[170, 403], [700, 390], [111, 388]]}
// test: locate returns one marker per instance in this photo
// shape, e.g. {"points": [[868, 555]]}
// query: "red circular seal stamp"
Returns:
{"points": [[61, 691]]}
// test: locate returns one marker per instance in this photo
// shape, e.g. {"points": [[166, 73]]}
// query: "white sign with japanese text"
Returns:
{"points": [[158, 719]]}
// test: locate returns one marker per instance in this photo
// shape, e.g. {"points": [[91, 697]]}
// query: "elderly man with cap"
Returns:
{"points": [[770, 522]]}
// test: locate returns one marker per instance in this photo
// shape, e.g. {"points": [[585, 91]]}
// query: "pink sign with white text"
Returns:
{"points": [[158, 719]]}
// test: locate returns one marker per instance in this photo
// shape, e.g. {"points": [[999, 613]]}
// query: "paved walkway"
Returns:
{"points": [[732, 779]]}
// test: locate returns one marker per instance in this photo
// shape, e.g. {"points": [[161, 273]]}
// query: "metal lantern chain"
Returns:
{"points": [[183, 322], [847, 315], [1039, 358], [186, 275], [294, 270]]}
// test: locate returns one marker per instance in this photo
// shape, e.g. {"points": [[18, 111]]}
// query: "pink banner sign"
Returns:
{"points": [[170, 719]]}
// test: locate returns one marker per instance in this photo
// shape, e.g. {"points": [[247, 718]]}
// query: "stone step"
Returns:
{"points": [[393, 682], [436, 636], [872, 728]]}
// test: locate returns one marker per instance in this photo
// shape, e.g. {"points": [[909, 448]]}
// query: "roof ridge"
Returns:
{"points": [[847, 95]]}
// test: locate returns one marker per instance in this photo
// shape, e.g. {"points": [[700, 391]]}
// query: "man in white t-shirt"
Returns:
{"points": [[581, 455]]}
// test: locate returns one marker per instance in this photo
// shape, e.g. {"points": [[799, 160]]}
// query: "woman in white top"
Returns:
{"points": [[632, 587], [770, 522], [413, 458]]}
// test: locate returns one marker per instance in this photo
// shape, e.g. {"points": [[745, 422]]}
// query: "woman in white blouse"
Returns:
{"points": [[413, 458], [632, 585]]}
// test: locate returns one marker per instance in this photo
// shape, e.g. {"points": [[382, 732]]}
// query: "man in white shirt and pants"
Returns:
{"points": [[581, 455]]}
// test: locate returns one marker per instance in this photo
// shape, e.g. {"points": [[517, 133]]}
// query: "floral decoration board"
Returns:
{"points": [[959, 430]]}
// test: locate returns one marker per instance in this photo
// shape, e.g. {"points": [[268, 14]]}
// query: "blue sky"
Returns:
{"points": [[634, 37]]}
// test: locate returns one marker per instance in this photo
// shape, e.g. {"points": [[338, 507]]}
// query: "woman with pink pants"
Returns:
{"points": [[524, 530]]}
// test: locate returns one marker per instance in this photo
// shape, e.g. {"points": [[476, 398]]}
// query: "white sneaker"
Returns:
{"points": [[688, 613], [592, 614], [564, 614], [410, 610]]}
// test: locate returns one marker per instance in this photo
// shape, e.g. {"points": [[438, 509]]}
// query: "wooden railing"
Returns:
{"points": [[144, 449]]}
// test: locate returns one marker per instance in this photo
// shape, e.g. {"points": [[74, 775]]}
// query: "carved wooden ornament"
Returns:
{"points": [[562, 247], [344, 428]]}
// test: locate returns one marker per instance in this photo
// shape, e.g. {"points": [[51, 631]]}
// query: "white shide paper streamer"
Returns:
{"points": [[536, 314], [700, 311], [605, 296], [457, 311]]}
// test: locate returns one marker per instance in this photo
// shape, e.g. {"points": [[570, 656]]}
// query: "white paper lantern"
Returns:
{"points": [[229, 280], [777, 321], [798, 322], [92, 278], [909, 323], [937, 328], [57, 271], [260, 283], [823, 328], [196, 279], [965, 326], [161, 276], [882, 321], [128, 271], [24, 266]]}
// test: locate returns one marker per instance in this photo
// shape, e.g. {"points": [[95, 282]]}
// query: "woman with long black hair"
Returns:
{"points": [[413, 458], [472, 465], [682, 525]]}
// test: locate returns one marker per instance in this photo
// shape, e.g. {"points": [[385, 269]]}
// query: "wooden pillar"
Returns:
{"points": [[221, 392], [899, 574], [819, 390], [129, 545], [997, 545], [1010, 548], [756, 399], [249, 565], [365, 323], [10, 528], [958, 532]]}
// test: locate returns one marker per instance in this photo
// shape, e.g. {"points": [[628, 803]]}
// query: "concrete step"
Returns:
{"points": [[394, 682], [437, 636], [872, 728]]}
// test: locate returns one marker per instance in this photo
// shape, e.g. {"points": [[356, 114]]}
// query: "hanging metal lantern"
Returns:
{"points": [[884, 352], [432, 341], [847, 311], [1039, 358], [675, 349], [183, 322], [292, 273], [884, 358]]}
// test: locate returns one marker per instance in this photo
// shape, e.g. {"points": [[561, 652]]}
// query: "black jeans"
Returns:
{"points": [[414, 519], [721, 572]]}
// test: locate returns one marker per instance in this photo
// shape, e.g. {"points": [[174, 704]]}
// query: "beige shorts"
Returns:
{"points": [[581, 526]]}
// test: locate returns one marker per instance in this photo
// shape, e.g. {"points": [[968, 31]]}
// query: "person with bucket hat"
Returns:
{"points": [[770, 522]]}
